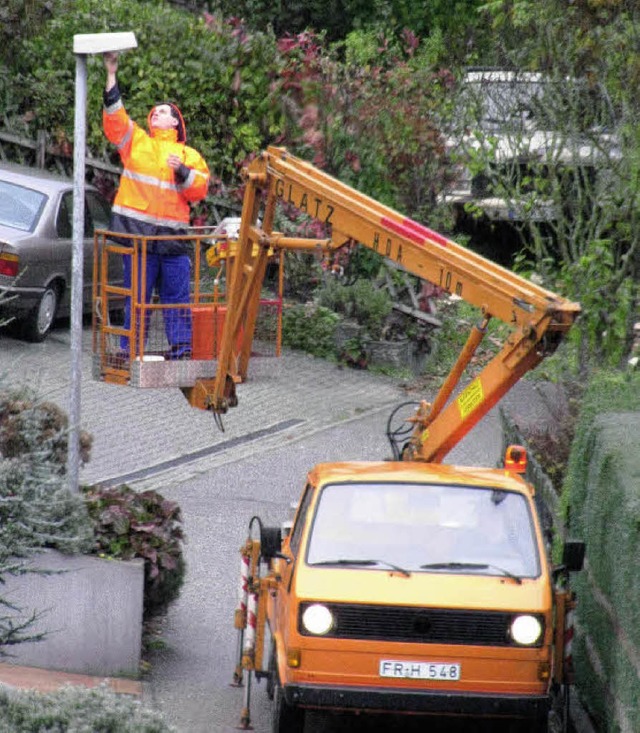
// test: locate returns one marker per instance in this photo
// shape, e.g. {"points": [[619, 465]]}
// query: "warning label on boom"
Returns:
{"points": [[470, 398]]}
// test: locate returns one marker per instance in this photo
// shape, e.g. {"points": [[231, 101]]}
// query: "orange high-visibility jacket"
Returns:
{"points": [[150, 192]]}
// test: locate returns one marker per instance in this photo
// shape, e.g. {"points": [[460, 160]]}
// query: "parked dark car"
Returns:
{"points": [[36, 245]]}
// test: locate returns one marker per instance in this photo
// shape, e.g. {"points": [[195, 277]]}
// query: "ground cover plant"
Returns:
{"points": [[77, 710]]}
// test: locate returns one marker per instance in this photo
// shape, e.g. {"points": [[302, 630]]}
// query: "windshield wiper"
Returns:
{"points": [[349, 561], [470, 566]]}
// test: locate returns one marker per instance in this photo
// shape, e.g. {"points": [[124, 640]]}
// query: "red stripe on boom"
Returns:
{"points": [[415, 232], [429, 233]]}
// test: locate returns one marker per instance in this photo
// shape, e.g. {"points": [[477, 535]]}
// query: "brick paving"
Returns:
{"points": [[147, 431]]}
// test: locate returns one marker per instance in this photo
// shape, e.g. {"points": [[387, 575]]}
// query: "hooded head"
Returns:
{"points": [[166, 116]]}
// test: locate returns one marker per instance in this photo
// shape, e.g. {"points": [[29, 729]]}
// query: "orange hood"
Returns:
{"points": [[181, 129]]}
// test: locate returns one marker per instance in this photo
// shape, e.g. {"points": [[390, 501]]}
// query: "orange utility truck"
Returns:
{"points": [[403, 586]]}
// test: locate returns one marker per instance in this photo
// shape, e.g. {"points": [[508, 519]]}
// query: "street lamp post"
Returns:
{"points": [[83, 46]]}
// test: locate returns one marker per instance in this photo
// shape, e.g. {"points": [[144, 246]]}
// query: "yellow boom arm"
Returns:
{"points": [[538, 317]]}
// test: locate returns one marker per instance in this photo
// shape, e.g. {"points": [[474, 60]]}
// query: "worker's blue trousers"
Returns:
{"points": [[169, 275]]}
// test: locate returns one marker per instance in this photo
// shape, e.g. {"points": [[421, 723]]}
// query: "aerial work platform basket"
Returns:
{"points": [[131, 333]]}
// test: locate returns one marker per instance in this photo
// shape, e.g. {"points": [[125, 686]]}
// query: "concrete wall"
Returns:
{"points": [[91, 611]]}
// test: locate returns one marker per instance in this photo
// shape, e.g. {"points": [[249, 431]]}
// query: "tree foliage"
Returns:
{"points": [[592, 247], [455, 19], [365, 91], [373, 120], [216, 71]]}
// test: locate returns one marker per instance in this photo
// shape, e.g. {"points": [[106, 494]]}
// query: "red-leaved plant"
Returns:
{"points": [[130, 524]]}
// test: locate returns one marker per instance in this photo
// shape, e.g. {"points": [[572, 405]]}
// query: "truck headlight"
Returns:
{"points": [[317, 619], [526, 630]]}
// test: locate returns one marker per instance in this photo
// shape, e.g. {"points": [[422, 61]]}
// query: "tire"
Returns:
{"points": [[529, 726], [37, 325], [540, 726], [272, 671], [285, 718]]}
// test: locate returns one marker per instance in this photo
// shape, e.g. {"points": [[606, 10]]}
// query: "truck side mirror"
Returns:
{"points": [[270, 542], [573, 555]]}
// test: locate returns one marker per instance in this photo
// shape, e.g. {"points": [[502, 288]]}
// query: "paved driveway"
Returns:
{"points": [[152, 437]]}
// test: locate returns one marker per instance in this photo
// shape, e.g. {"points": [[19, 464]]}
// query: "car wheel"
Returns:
{"points": [[286, 718], [38, 323]]}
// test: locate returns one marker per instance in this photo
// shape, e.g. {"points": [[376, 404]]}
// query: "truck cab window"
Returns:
{"points": [[296, 532]]}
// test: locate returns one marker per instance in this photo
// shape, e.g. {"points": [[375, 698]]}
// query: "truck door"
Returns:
{"points": [[291, 548]]}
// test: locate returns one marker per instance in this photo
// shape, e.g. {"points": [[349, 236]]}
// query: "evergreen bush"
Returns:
{"points": [[29, 425], [37, 510]]}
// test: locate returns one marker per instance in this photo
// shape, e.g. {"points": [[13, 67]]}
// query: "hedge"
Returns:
{"points": [[603, 489]]}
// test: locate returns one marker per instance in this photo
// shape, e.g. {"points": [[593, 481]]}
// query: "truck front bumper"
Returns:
{"points": [[530, 707]]}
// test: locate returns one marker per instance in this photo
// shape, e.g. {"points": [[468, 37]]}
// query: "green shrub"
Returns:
{"points": [[76, 709], [302, 275], [607, 391], [602, 505], [310, 328], [128, 525], [363, 302]]}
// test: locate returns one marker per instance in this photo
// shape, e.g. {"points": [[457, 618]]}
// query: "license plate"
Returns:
{"points": [[442, 671]]}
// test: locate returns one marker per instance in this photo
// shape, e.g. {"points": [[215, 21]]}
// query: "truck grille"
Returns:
{"points": [[418, 625]]}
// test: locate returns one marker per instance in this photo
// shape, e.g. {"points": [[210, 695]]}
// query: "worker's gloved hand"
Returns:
{"points": [[180, 170]]}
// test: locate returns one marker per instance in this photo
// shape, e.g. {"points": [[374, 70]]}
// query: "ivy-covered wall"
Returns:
{"points": [[603, 491]]}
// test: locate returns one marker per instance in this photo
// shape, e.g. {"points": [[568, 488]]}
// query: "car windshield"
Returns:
{"points": [[430, 528], [20, 207], [498, 101]]}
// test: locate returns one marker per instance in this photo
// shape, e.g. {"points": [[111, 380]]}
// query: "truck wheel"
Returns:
{"points": [[272, 671], [529, 726], [538, 726], [39, 321], [286, 718]]}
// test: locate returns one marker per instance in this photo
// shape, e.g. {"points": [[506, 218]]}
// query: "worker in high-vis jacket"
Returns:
{"points": [[161, 178]]}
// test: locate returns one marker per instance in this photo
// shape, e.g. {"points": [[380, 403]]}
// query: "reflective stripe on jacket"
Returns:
{"points": [[149, 191]]}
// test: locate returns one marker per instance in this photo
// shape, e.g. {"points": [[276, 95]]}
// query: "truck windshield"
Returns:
{"points": [[426, 528]]}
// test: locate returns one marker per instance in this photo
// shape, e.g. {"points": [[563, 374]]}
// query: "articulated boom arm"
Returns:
{"points": [[538, 317]]}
